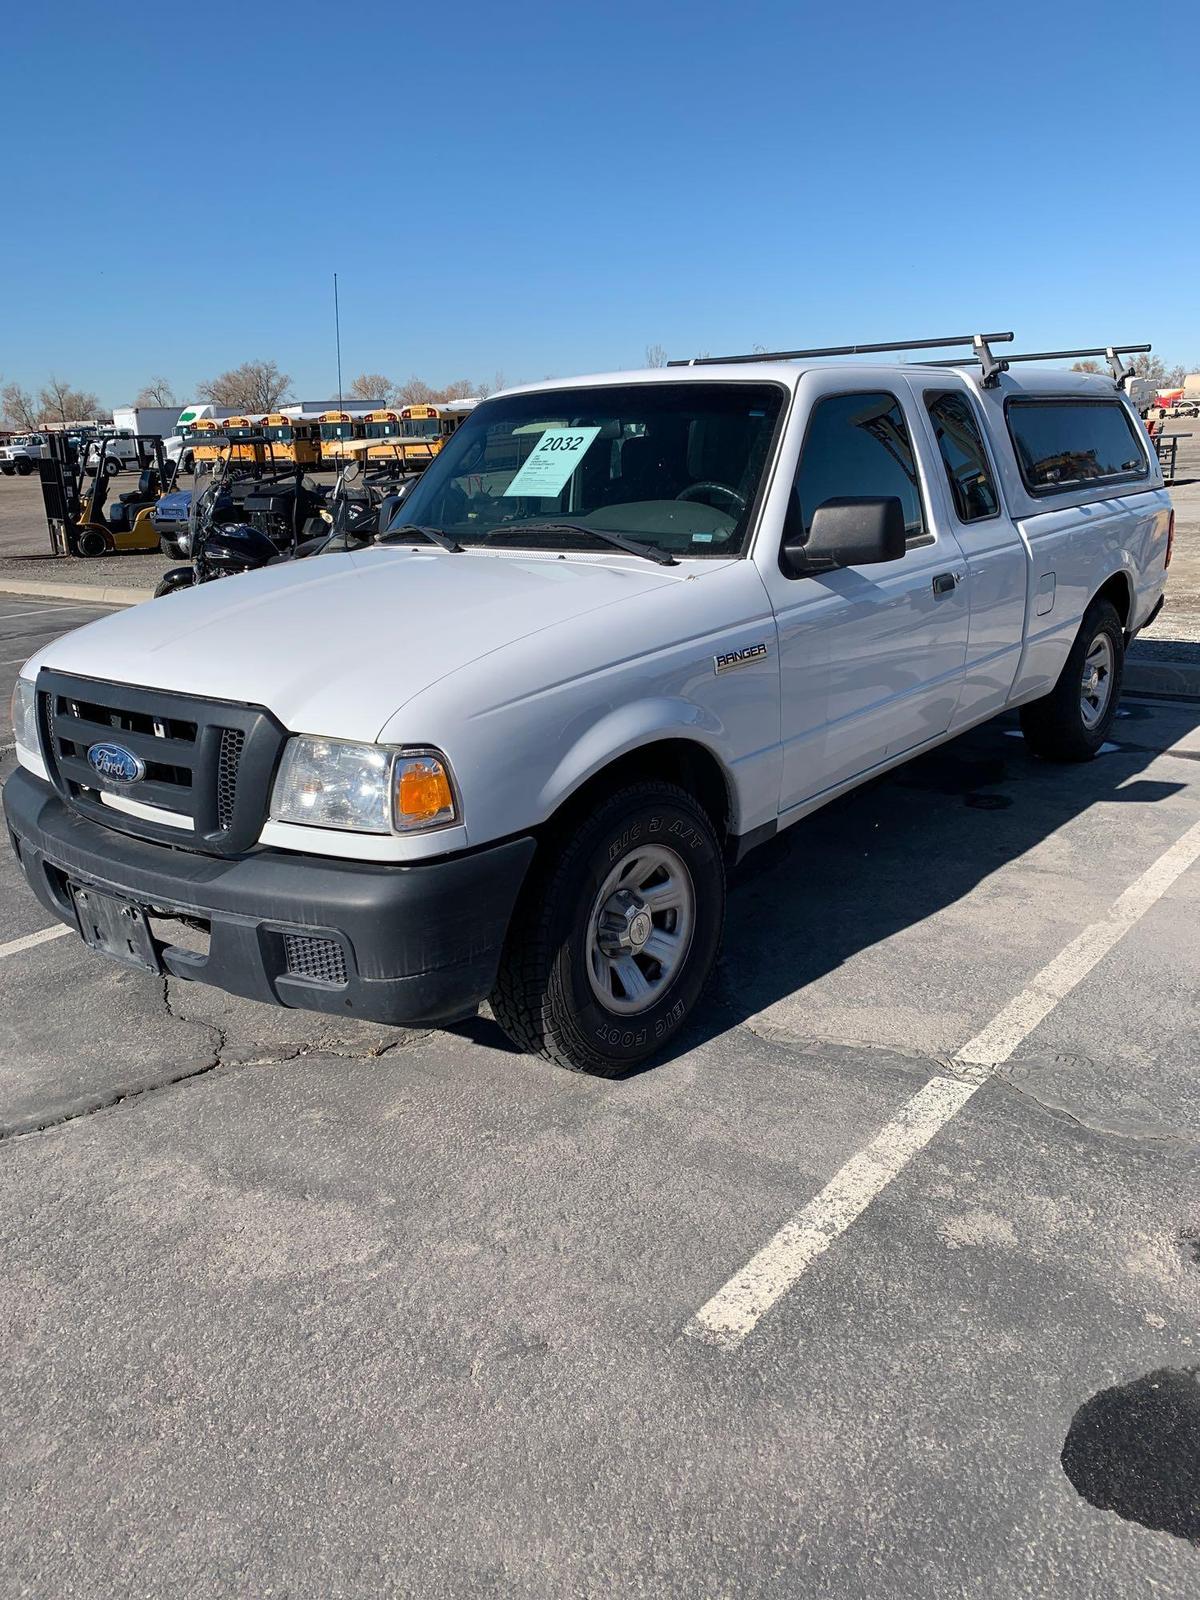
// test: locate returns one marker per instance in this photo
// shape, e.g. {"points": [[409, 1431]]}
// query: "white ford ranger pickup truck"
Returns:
{"points": [[632, 626]]}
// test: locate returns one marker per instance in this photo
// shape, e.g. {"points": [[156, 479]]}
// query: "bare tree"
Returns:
{"points": [[656, 355], [1085, 366], [460, 389], [372, 386], [157, 392], [1156, 369], [416, 392], [255, 386], [60, 403], [18, 408]]}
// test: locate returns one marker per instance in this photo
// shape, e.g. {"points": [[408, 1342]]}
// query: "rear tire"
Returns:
{"points": [[111, 468], [1073, 720], [616, 933]]}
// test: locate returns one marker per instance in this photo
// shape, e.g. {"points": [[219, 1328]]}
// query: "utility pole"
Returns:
{"points": [[337, 328]]}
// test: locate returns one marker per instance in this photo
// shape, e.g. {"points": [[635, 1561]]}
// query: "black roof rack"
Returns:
{"points": [[979, 343], [1112, 353]]}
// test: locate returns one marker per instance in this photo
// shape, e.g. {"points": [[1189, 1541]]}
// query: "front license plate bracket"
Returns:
{"points": [[116, 927]]}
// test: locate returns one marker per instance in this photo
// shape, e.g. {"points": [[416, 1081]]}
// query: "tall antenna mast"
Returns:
{"points": [[337, 328]]}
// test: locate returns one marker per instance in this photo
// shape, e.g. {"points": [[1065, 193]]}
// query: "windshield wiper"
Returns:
{"points": [[634, 547], [434, 535]]}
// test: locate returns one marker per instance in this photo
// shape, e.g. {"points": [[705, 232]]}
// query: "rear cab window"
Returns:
{"points": [[1069, 444]]}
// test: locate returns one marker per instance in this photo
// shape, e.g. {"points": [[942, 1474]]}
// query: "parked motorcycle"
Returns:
{"points": [[231, 532], [237, 521]]}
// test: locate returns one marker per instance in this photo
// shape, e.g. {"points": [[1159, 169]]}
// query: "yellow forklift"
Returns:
{"points": [[74, 497]]}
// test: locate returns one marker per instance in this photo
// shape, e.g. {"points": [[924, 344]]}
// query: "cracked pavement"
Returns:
{"points": [[311, 1307]]}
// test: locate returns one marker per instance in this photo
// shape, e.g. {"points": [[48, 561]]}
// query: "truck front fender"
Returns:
{"points": [[626, 729]]}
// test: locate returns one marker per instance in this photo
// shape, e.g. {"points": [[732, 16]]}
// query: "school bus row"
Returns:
{"points": [[411, 434]]}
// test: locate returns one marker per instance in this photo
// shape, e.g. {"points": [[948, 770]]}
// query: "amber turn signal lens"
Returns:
{"points": [[424, 797]]}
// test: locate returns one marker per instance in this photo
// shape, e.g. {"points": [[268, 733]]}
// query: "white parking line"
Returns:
{"points": [[37, 611], [733, 1311], [15, 946]]}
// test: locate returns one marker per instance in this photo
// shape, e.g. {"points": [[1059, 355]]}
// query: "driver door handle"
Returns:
{"points": [[946, 582]]}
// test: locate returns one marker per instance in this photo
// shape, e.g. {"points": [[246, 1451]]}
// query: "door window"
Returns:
{"points": [[964, 457], [859, 444]]}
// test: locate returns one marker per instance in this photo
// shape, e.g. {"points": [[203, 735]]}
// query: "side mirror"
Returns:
{"points": [[850, 531]]}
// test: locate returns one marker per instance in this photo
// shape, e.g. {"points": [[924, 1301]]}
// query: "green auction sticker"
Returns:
{"points": [[559, 451]]}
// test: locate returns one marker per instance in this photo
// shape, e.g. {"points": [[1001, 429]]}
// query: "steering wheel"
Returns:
{"points": [[696, 491]]}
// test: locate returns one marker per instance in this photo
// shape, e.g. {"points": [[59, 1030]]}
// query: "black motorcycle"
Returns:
{"points": [[238, 521], [269, 522]]}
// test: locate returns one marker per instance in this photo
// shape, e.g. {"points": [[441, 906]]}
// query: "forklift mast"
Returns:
{"points": [[60, 472]]}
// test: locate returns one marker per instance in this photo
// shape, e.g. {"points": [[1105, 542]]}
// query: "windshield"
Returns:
{"points": [[676, 465]]}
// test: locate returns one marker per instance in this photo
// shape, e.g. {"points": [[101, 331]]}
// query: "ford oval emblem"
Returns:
{"points": [[114, 762]]}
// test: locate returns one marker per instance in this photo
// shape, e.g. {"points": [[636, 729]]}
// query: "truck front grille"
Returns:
{"points": [[209, 763], [232, 742]]}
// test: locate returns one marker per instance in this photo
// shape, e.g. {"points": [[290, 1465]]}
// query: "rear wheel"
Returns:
{"points": [[616, 933], [1073, 720], [111, 467]]}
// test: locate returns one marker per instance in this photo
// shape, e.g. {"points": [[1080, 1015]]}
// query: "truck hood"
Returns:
{"points": [[336, 645]]}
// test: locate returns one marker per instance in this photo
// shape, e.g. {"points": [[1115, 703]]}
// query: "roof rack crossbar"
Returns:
{"points": [[975, 340], [1112, 353]]}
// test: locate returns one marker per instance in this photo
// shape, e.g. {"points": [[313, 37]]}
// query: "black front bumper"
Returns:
{"points": [[415, 944]]}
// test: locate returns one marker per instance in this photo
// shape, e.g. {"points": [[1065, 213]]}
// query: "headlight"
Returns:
{"points": [[327, 783], [24, 716]]}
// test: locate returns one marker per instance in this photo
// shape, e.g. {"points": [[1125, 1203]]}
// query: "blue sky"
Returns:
{"points": [[550, 188]]}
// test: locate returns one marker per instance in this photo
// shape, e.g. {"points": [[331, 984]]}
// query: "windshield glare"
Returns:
{"points": [[673, 465]]}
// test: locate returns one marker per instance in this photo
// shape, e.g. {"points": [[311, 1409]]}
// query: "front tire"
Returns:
{"points": [[1073, 720], [616, 933], [91, 543]]}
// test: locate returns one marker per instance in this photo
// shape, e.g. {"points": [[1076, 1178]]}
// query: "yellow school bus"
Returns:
{"points": [[387, 439], [337, 429], [201, 432], [293, 439], [241, 431]]}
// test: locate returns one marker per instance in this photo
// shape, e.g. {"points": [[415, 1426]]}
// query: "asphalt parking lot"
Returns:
{"points": [[813, 1307]]}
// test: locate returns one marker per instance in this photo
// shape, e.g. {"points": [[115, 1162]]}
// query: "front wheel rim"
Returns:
{"points": [[639, 929], [1095, 690]]}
